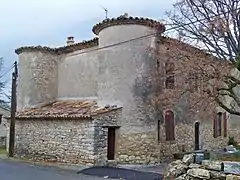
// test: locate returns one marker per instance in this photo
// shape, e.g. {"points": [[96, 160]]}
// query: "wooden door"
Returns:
{"points": [[111, 143], [197, 136]]}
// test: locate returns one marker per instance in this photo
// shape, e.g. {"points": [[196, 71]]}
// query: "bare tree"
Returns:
{"points": [[214, 26], [4, 96]]}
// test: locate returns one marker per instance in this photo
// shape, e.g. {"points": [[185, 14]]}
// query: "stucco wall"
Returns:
{"points": [[119, 33], [77, 74], [37, 81], [55, 140], [125, 75]]}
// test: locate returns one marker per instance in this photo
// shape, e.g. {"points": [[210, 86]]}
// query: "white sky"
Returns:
{"points": [[49, 22]]}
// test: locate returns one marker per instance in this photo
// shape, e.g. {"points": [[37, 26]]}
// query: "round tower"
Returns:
{"points": [[38, 73], [125, 64], [124, 28]]}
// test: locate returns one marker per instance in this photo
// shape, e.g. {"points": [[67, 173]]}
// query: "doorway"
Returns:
{"points": [[197, 131], [111, 143]]}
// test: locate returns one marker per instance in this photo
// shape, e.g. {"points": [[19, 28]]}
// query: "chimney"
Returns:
{"points": [[70, 40], [125, 15]]}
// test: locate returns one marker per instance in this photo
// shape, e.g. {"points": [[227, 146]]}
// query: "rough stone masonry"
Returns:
{"points": [[115, 71]]}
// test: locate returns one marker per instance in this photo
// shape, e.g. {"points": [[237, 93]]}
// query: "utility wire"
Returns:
{"points": [[11, 67], [148, 35]]}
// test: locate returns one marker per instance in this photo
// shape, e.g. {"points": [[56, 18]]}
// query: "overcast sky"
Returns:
{"points": [[49, 22]]}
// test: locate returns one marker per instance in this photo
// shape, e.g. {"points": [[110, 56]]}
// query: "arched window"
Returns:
{"points": [[169, 126], [170, 79]]}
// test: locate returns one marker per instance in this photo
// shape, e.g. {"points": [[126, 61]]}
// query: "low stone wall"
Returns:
{"points": [[187, 170], [69, 141]]}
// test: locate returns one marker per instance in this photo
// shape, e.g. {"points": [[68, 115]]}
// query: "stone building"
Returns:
{"points": [[4, 112], [125, 96]]}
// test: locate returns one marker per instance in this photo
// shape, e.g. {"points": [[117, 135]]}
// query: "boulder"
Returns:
{"points": [[212, 165], [232, 177], [188, 159], [192, 165], [175, 163], [217, 175], [199, 173], [182, 177], [176, 170]]}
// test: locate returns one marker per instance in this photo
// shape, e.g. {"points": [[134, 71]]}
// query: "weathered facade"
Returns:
{"points": [[4, 112], [138, 80]]}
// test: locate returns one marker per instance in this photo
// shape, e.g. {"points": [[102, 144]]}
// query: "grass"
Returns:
{"points": [[231, 157], [238, 147], [3, 151]]}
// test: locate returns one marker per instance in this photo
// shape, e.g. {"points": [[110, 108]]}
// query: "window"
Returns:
{"points": [[220, 125], [193, 81], [158, 130], [170, 82], [169, 126], [170, 79]]}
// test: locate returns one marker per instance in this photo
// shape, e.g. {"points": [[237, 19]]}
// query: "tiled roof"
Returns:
{"points": [[96, 29], [191, 48], [128, 20], [66, 109], [60, 50]]}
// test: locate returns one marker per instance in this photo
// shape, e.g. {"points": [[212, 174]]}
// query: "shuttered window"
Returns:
{"points": [[169, 126], [220, 125]]}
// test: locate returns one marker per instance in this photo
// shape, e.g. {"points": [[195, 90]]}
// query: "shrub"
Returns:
{"points": [[231, 141]]}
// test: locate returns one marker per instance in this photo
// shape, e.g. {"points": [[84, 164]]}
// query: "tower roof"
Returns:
{"points": [[124, 20]]}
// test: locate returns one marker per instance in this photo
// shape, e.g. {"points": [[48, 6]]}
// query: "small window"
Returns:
{"points": [[170, 82], [193, 81], [170, 79], [169, 126]]}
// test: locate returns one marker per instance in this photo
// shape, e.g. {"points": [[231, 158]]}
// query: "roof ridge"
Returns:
{"points": [[127, 20], [62, 49]]}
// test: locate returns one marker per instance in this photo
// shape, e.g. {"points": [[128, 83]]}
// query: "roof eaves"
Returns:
{"points": [[121, 20]]}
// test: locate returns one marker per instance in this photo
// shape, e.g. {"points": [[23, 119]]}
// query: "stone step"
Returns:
{"points": [[111, 163]]}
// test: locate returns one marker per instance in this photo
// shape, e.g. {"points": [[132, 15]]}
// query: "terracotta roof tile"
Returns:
{"points": [[127, 20], [60, 50], [66, 109]]}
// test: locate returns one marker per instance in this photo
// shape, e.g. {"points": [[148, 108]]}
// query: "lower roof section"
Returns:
{"points": [[62, 109]]}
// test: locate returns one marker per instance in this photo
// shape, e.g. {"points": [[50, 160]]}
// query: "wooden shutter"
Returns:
{"points": [[225, 124], [215, 123], [169, 126]]}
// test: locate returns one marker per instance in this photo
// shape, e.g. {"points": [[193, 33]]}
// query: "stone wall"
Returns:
{"points": [[38, 76], [56, 140], [101, 125], [144, 148], [188, 169]]}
